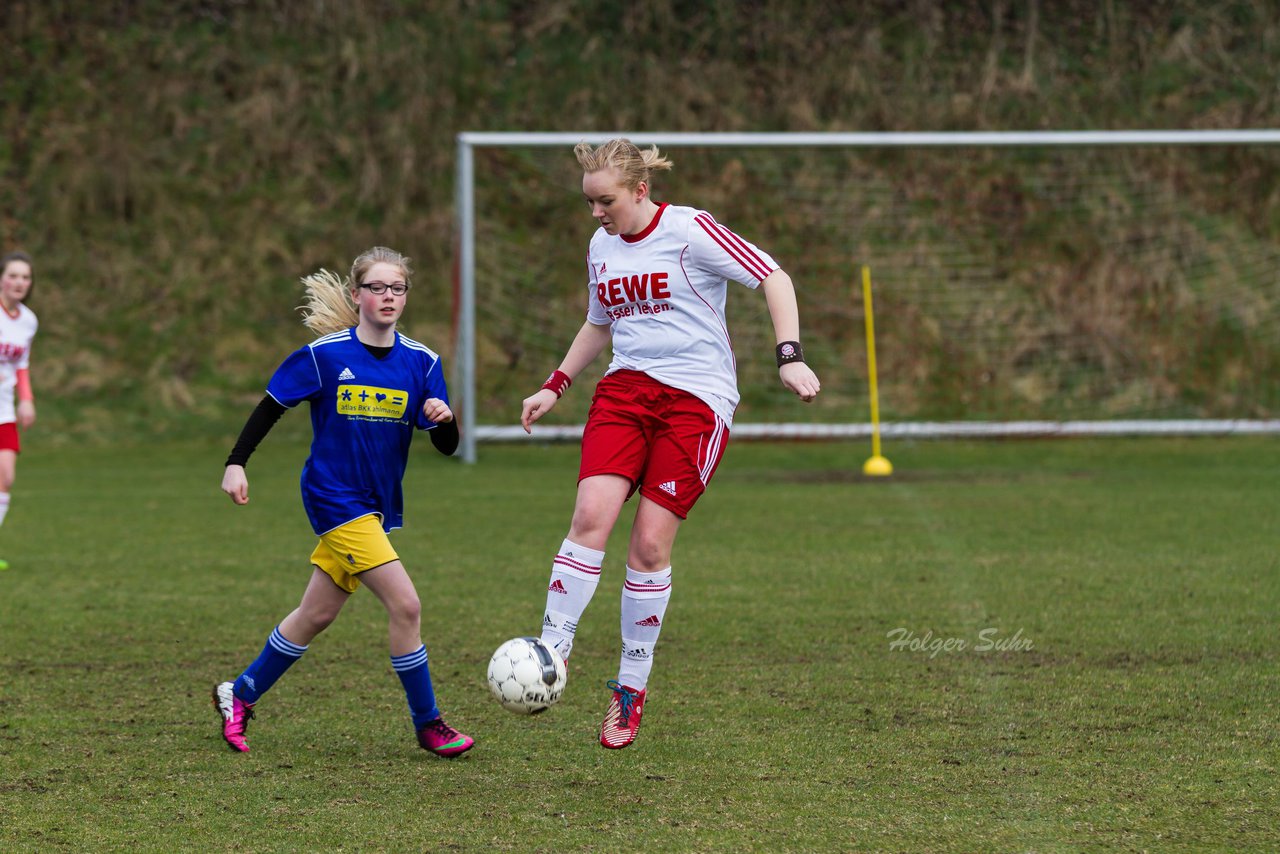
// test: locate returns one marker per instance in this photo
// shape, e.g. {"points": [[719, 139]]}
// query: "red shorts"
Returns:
{"points": [[9, 437], [667, 442]]}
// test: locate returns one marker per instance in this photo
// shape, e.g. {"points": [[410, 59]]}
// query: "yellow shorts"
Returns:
{"points": [[351, 549]]}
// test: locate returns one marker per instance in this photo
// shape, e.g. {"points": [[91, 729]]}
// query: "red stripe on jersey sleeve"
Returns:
{"points": [[735, 246]]}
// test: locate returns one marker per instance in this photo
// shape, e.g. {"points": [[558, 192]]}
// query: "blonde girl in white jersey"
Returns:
{"points": [[657, 278], [17, 329]]}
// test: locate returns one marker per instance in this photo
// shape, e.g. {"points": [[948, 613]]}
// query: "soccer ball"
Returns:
{"points": [[526, 676]]}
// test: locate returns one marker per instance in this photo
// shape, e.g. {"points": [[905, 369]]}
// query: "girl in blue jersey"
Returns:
{"points": [[369, 388]]}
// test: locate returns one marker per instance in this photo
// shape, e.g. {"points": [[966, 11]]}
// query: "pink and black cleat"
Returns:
{"points": [[443, 740], [235, 716]]}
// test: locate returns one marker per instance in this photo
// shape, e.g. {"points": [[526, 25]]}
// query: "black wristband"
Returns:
{"points": [[789, 351]]}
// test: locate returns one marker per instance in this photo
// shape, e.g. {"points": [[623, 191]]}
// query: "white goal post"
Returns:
{"points": [[465, 356]]}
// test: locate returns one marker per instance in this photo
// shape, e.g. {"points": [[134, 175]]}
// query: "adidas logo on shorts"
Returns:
{"points": [[669, 487], [346, 375]]}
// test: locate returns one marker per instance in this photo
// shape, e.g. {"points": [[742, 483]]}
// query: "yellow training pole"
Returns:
{"points": [[876, 466]]}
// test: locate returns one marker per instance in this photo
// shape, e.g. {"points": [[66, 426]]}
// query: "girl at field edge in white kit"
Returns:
{"points": [[17, 330], [657, 277], [368, 388]]}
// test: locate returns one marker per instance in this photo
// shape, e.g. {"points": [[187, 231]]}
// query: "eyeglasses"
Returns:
{"points": [[380, 288]]}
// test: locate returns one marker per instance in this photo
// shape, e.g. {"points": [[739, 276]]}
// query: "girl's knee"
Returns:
{"points": [[649, 555], [650, 548], [590, 529], [321, 619], [318, 616], [406, 611]]}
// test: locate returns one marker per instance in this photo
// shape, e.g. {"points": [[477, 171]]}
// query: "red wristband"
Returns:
{"points": [[558, 382]]}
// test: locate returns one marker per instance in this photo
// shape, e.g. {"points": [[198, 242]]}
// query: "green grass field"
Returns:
{"points": [[1143, 574]]}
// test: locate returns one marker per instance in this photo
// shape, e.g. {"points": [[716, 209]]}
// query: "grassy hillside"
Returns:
{"points": [[174, 167]]}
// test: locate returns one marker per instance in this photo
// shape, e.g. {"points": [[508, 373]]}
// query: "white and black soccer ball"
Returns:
{"points": [[526, 676]]}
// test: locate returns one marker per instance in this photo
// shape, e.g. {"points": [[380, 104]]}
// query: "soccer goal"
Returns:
{"points": [[1025, 283]]}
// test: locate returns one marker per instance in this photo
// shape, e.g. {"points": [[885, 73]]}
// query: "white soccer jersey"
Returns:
{"points": [[16, 332], [663, 292]]}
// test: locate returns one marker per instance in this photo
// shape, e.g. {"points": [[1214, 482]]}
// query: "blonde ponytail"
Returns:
{"points": [[327, 306]]}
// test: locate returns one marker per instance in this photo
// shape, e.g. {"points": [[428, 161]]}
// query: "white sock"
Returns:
{"points": [[644, 604], [4, 506], [574, 575]]}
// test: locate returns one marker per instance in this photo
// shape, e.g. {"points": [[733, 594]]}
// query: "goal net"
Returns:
{"points": [[1022, 282]]}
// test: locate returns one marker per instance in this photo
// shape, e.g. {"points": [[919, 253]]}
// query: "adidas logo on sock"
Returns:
{"points": [[651, 621], [669, 487], [547, 621], [346, 375], [557, 587]]}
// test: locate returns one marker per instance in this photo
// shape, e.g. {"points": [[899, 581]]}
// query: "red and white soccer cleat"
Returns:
{"points": [[622, 720]]}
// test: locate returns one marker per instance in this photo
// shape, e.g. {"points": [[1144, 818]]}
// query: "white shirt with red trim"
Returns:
{"points": [[16, 332], [663, 293]]}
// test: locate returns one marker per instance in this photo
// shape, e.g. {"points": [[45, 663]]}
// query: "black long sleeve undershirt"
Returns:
{"points": [[445, 437], [261, 420]]}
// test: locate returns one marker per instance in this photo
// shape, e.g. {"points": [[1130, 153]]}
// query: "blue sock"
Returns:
{"points": [[276, 657], [416, 678]]}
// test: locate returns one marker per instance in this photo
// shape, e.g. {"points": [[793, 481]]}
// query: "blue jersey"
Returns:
{"points": [[363, 414]]}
